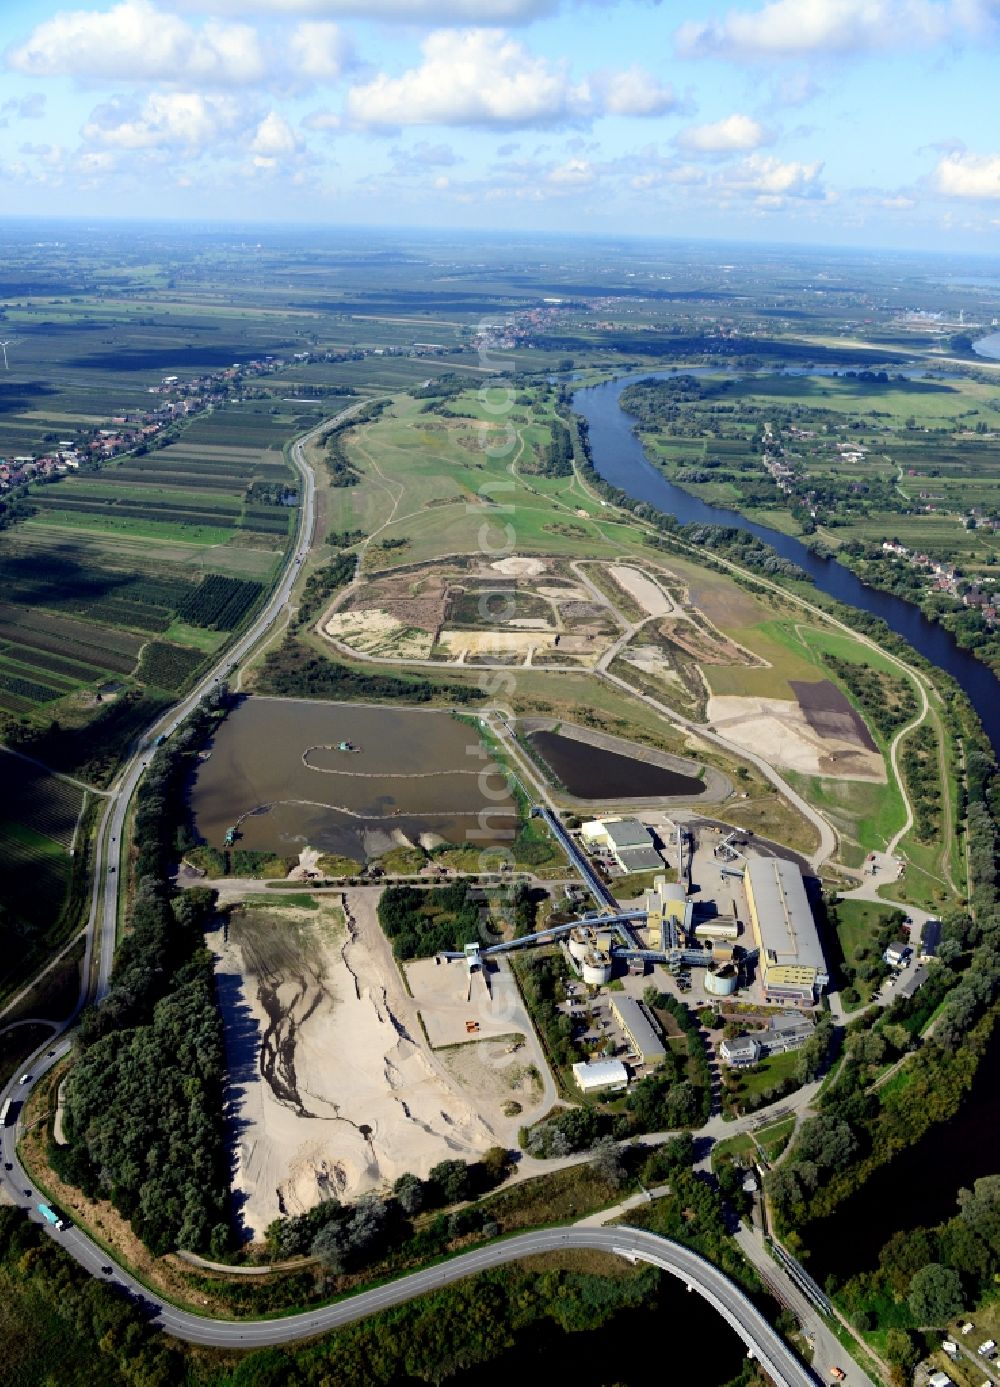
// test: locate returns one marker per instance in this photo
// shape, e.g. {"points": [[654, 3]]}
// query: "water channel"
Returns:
{"points": [[953, 1154]]}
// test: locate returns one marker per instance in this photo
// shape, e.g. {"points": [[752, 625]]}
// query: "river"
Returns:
{"points": [[988, 346], [952, 1154], [619, 458]]}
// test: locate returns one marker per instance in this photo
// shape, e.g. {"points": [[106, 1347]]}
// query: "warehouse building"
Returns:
{"points": [[792, 967], [600, 1075], [628, 841], [638, 1029]]}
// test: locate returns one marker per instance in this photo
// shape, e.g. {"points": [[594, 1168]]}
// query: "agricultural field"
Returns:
{"points": [[129, 575], [38, 830], [862, 455]]}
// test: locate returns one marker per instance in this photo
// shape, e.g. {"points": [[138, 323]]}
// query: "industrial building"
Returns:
{"points": [[629, 842], [600, 1075], [638, 1029], [668, 913], [792, 967]]}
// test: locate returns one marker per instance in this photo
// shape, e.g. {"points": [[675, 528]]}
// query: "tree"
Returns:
{"points": [[609, 1162], [495, 1165], [409, 1190], [902, 1354], [935, 1294], [452, 1180]]}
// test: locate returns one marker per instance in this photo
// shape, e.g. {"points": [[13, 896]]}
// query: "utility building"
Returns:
{"points": [[629, 842], [792, 966], [638, 1029]]}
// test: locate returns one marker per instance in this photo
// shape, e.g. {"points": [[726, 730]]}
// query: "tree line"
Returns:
{"points": [[143, 1100]]}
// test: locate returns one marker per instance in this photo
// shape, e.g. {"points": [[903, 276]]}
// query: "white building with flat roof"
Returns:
{"points": [[600, 1074]]}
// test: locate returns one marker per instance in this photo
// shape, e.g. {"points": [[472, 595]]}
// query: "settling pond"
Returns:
{"points": [[275, 771], [593, 772]]}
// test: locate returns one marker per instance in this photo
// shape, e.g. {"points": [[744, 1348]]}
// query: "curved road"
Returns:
{"points": [[763, 1342]]}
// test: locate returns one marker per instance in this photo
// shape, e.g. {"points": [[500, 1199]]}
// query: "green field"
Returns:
{"points": [[38, 828]]}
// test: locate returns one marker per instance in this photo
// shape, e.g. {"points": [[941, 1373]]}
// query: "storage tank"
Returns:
{"points": [[596, 968], [722, 982], [580, 944]]}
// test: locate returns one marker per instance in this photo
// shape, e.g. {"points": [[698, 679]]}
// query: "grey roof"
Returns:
{"points": [[629, 833], [787, 928], [638, 1025], [742, 1045], [639, 859]]}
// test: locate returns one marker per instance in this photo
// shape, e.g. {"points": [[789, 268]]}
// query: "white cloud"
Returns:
{"points": [[960, 174], [30, 107], [636, 92], [183, 120], [136, 42], [471, 77], [319, 52], [274, 138], [733, 134], [483, 77], [422, 156], [792, 28], [573, 174], [767, 177]]}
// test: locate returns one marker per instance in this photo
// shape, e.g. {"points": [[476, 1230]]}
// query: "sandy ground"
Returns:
{"points": [[648, 594], [495, 642], [777, 729], [516, 567], [333, 1087], [376, 632], [651, 660]]}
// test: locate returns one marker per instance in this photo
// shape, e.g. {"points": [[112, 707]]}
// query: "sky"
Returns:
{"points": [[854, 122]]}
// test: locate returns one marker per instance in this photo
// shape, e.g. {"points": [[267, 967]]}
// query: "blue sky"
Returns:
{"points": [[860, 122]]}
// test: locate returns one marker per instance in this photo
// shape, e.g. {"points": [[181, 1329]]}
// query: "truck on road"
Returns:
{"points": [[50, 1216]]}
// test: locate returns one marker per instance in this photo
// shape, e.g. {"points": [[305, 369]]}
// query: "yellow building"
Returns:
{"points": [[666, 904], [791, 963], [638, 1029]]}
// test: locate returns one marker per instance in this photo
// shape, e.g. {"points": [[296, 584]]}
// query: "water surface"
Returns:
{"points": [[275, 771]]}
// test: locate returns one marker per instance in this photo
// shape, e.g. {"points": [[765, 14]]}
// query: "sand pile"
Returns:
{"points": [[333, 1089]]}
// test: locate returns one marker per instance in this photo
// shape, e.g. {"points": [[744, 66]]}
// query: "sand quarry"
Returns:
{"points": [[817, 733], [333, 1087]]}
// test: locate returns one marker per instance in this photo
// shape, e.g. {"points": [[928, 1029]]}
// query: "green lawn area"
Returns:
{"points": [[145, 529], [857, 923], [766, 1074]]}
